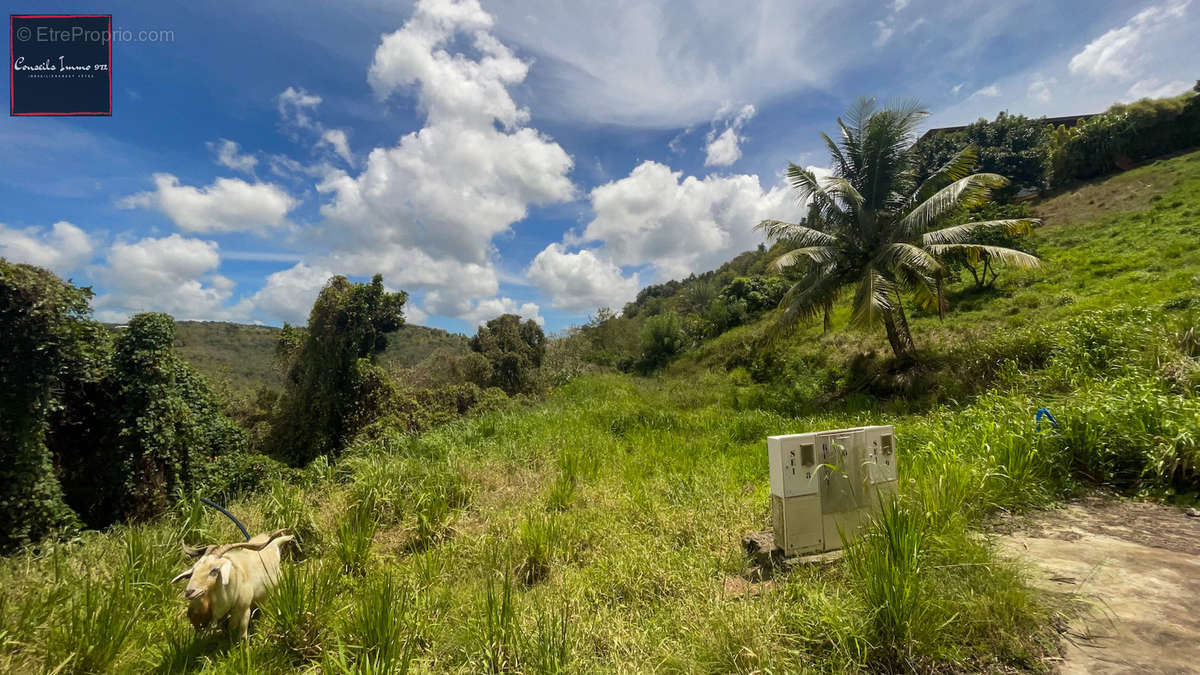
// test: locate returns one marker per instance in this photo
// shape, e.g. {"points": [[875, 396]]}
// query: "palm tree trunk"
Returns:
{"points": [[889, 323], [899, 335]]}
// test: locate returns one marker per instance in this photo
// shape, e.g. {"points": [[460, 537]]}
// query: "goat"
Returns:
{"points": [[228, 580]]}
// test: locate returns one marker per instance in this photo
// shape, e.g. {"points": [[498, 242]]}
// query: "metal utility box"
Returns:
{"points": [[825, 481]]}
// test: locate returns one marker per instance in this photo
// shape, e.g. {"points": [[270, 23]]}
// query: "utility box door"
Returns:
{"points": [[793, 464], [880, 458], [797, 524]]}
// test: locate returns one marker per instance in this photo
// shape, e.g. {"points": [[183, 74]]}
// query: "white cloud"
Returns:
{"points": [[667, 65], [174, 274], [681, 225], [990, 91], [1116, 54], [899, 5], [580, 281], [725, 149], [228, 205], [288, 295], [336, 140], [228, 156], [1155, 88], [885, 31], [486, 310], [425, 212], [1039, 88], [296, 107], [61, 249], [957, 88]]}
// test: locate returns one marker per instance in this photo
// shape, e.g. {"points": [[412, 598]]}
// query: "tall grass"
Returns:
{"points": [[886, 565], [299, 610], [378, 628], [354, 537], [88, 634]]}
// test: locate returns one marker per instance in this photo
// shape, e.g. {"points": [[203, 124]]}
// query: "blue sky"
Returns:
{"points": [[487, 157]]}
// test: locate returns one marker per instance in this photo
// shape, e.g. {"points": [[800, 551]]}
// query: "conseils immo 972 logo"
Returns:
{"points": [[60, 64]]}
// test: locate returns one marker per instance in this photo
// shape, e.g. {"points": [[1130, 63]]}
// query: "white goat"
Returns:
{"points": [[227, 580]]}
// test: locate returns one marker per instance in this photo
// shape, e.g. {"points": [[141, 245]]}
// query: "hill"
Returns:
{"points": [[598, 530], [243, 355]]}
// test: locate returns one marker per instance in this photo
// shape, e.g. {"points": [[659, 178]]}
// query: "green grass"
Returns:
{"points": [[598, 530]]}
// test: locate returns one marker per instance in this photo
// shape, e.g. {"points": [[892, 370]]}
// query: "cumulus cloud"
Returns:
{"points": [[681, 225], [1115, 54], [298, 112], [288, 295], [62, 248], [725, 148], [228, 155], [581, 281], [480, 311], [1156, 88], [228, 205], [173, 274], [425, 212]]}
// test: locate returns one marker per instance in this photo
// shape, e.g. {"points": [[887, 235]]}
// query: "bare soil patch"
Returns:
{"points": [[1133, 572]]}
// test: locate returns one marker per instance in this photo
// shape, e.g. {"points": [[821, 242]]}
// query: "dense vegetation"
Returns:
{"points": [[239, 358], [591, 521]]}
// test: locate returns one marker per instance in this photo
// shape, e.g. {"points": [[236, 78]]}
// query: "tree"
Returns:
{"points": [[515, 350], [871, 225], [326, 363], [41, 318], [662, 340]]}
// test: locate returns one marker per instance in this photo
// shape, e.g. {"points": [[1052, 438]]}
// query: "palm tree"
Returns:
{"points": [[871, 226]]}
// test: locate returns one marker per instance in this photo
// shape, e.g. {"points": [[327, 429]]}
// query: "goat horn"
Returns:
{"points": [[245, 544], [196, 551]]}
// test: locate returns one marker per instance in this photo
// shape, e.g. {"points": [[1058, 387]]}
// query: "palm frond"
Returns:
{"points": [[809, 189], [962, 234], [810, 296], [1008, 256], [818, 254], [969, 191], [901, 255], [872, 299], [797, 234], [958, 168], [840, 168]]}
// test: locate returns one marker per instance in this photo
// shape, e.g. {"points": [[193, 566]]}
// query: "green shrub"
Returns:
{"points": [[327, 364], [1125, 133], [42, 321], [515, 351], [662, 340], [230, 476]]}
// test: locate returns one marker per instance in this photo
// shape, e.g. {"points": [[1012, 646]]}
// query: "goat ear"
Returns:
{"points": [[186, 574], [225, 567]]}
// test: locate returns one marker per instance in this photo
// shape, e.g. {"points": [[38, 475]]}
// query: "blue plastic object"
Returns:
{"points": [[1045, 412]]}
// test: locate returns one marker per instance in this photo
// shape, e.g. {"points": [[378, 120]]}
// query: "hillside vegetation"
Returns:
{"points": [[244, 355], [596, 528]]}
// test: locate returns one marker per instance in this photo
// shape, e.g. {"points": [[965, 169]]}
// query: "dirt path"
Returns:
{"points": [[1136, 570]]}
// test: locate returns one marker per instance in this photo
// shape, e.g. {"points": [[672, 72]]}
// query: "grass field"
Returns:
{"points": [[598, 530]]}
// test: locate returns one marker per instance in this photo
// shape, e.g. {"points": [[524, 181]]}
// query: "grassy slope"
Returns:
{"points": [[1130, 239], [243, 355], [615, 507]]}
